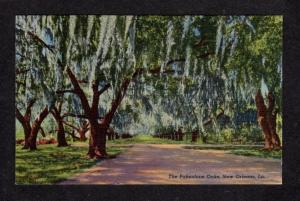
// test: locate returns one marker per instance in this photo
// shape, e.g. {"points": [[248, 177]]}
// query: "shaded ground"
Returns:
{"points": [[172, 164], [50, 164]]}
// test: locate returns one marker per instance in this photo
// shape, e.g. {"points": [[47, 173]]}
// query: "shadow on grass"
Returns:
{"points": [[50, 164]]}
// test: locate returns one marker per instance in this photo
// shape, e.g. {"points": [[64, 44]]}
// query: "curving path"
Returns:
{"points": [[171, 164]]}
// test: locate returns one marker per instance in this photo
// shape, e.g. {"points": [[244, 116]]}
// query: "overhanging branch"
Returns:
{"points": [[38, 39], [70, 125], [104, 89]]}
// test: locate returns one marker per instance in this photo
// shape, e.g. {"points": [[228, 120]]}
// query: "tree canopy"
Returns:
{"points": [[179, 71]]}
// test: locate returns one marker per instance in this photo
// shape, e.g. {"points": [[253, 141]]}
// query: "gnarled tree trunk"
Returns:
{"points": [[25, 122], [266, 118], [36, 127], [271, 118], [97, 142], [97, 145]]}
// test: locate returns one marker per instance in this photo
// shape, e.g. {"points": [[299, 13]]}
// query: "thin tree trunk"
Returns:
{"points": [[61, 136], [27, 134], [82, 132], [180, 135], [194, 136]]}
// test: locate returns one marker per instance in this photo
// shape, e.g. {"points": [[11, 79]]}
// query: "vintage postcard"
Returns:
{"points": [[148, 99]]}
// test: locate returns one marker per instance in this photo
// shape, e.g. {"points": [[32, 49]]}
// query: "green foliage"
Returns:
{"points": [[241, 135], [193, 87]]}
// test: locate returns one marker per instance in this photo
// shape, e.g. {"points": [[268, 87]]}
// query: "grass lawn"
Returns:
{"points": [[258, 152], [51, 164], [242, 150], [147, 139]]}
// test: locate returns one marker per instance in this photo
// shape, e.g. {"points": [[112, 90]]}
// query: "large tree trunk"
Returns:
{"points": [[36, 127], [98, 130], [267, 120], [33, 136], [25, 122], [101, 139], [272, 114], [27, 130], [97, 142]]}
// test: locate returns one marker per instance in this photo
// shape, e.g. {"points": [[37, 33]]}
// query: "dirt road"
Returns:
{"points": [[171, 164]]}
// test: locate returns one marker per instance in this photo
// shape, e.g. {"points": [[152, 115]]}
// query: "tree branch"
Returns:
{"points": [[38, 39], [60, 106], [29, 106], [104, 89], [95, 100], [42, 115], [79, 91], [72, 135], [42, 132], [72, 126], [19, 116]]}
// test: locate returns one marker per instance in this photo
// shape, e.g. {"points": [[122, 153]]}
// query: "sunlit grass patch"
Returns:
{"points": [[51, 164], [147, 139], [256, 151]]}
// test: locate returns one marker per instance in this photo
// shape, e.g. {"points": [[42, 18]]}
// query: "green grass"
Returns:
{"points": [[147, 139], [51, 164], [242, 150], [277, 154], [19, 134]]}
